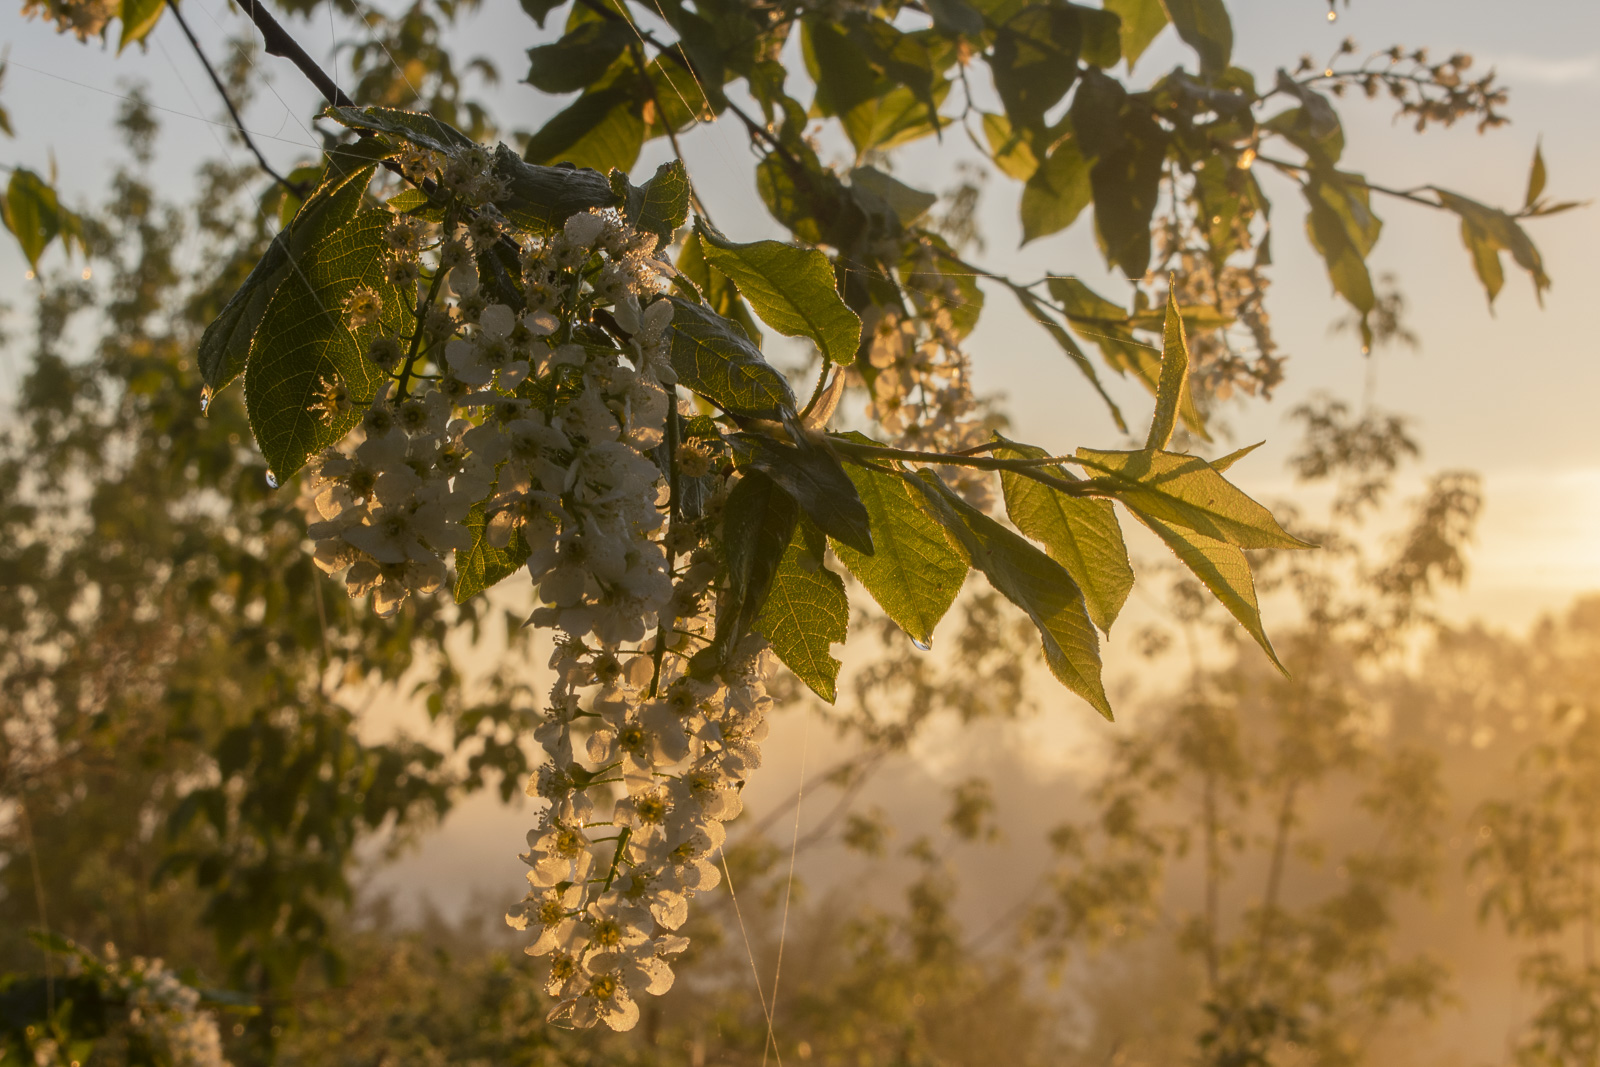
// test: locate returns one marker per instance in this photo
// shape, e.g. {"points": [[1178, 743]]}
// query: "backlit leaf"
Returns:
{"points": [[806, 612], [1141, 21], [225, 345], [913, 573], [1080, 533], [1028, 578], [600, 130], [1056, 193], [715, 359], [1223, 569], [660, 205], [1174, 381], [1187, 491], [758, 522], [304, 340], [580, 57], [1204, 26], [792, 289], [138, 17], [817, 481], [482, 565], [417, 127]]}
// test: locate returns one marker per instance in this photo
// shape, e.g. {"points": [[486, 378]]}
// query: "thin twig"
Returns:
{"points": [[277, 42], [293, 188], [1284, 164]]}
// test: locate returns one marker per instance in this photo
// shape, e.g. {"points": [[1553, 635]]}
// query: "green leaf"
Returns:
{"points": [[660, 205], [954, 16], [715, 359], [913, 573], [1035, 61], [1204, 26], [1343, 230], [304, 339], [542, 198], [538, 10], [1536, 177], [909, 204], [419, 128], [139, 17], [815, 478], [225, 345], [897, 117], [482, 565], [1013, 151], [758, 522], [792, 289], [1102, 32], [1029, 579], [1109, 327], [1187, 491], [32, 213], [1031, 305], [1127, 184], [806, 612], [843, 75], [601, 129], [721, 295], [1487, 231], [1056, 193], [1222, 463], [1223, 569], [1174, 374], [1318, 118], [1141, 21], [580, 57], [1080, 533]]}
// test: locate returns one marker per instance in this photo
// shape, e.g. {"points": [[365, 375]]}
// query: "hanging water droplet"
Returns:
{"points": [[1333, 16], [272, 480], [205, 401], [921, 646]]}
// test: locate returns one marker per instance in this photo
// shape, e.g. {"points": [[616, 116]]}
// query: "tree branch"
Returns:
{"points": [[293, 188], [277, 42]]}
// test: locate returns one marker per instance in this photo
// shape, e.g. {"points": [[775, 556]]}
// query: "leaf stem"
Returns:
{"points": [[423, 307], [616, 857], [1028, 468], [822, 383]]}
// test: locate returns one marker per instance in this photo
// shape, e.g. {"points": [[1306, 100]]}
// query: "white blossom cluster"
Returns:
{"points": [[561, 465], [542, 433], [668, 753], [168, 1012], [164, 1010]]}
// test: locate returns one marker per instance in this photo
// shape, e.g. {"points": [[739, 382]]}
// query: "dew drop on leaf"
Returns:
{"points": [[921, 647], [272, 480], [205, 401]]}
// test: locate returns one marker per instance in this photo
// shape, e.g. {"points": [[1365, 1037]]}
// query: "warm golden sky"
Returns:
{"points": [[1508, 394]]}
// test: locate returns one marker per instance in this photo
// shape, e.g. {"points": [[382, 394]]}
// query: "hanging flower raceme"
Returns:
{"points": [[526, 427]]}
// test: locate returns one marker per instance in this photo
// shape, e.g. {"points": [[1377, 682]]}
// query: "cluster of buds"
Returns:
{"points": [[1429, 93]]}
